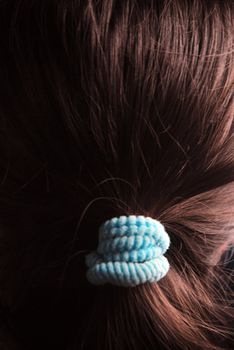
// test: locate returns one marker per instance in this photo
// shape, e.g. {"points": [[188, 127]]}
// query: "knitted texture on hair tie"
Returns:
{"points": [[130, 252]]}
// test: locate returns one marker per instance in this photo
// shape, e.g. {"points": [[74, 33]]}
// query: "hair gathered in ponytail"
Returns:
{"points": [[107, 109]]}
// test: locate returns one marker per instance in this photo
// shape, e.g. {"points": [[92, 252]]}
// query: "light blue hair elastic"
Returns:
{"points": [[130, 252]]}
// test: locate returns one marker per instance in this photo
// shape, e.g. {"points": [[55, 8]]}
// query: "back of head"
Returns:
{"points": [[113, 108]]}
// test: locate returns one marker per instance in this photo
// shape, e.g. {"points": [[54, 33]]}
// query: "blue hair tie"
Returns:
{"points": [[130, 252]]}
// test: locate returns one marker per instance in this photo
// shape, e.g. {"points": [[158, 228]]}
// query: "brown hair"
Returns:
{"points": [[115, 108]]}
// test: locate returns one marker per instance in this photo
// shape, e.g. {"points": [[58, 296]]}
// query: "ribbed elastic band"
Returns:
{"points": [[130, 252]]}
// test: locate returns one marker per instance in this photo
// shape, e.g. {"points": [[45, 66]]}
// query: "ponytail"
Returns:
{"points": [[116, 108]]}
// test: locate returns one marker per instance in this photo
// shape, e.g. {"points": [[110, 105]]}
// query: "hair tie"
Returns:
{"points": [[130, 252]]}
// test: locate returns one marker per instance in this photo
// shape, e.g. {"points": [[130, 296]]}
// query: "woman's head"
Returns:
{"points": [[113, 108]]}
